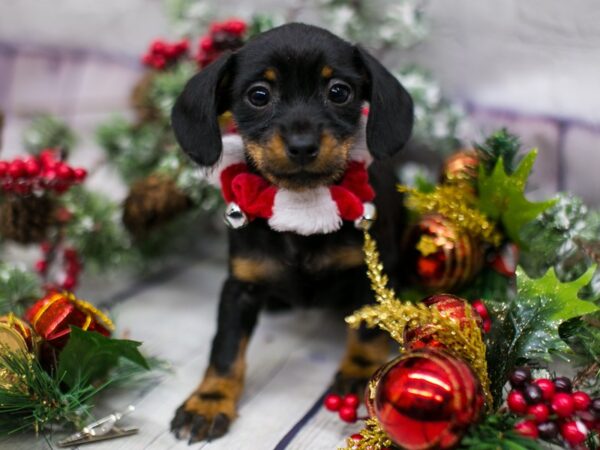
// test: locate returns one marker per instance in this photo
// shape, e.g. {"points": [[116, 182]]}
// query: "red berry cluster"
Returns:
{"points": [[162, 53], [480, 308], [46, 172], [346, 406], [228, 35], [551, 408], [71, 266]]}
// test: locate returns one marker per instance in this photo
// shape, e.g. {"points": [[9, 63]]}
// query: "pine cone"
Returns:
{"points": [[140, 99], [26, 219], [152, 202]]}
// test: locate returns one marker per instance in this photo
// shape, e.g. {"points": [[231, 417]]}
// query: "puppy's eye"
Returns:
{"points": [[339, 92], [259, 95]]}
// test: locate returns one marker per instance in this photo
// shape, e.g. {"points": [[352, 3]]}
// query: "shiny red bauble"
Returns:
{"points": [[563, 404], [449, 306], [426, 399]]}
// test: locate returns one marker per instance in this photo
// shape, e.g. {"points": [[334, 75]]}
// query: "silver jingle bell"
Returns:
{"points": [[234, 216], [368, 217]]}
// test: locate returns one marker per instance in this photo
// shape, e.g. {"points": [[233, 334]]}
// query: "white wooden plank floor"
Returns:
{"points": [[291, 360]]}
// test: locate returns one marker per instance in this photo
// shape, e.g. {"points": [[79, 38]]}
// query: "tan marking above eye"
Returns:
{"points": [[270, 74], [326, 72]]}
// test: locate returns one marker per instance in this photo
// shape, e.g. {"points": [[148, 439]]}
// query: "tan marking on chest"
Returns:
{"points": [[338, 258], [254, 270]]}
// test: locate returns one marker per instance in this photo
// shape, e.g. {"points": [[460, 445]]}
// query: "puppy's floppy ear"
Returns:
{"points": [[390, 108], [195, 114]]}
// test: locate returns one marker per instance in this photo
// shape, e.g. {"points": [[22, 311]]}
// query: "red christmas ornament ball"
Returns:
{"points": [[426, 399], [449, 306], [52, 316], [574, 432], [563, 404]]}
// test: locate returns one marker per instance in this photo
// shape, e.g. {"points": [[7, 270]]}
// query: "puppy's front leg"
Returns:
{"points": [[210, 409], [366, 351]]}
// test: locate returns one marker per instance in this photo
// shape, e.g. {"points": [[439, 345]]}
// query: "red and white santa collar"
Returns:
{"points": [[318, 210]]}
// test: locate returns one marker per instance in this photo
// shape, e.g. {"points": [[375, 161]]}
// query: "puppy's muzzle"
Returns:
{"points": [[302, 148]]}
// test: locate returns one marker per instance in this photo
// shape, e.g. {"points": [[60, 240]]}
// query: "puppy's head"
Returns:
{"points": [[296, 93]]}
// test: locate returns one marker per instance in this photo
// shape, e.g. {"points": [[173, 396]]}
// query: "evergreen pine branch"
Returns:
{"points": [[47, 131], [500, 144], [496, 432], [18, 288]]}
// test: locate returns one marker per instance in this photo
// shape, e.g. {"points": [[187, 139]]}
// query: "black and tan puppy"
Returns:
{"points": [[296, 94]]}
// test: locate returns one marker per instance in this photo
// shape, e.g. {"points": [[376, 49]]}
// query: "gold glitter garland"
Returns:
{"points": [[462, 339], [457, 203], [373, 438]]}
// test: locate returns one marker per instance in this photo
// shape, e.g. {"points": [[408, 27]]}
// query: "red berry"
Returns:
{"points": [[47, 157], [547, 387], [3, 168], [206, 43], [332, 402], [79, 174], [41, 266], [582, 401], [479, 306], [347, 414], [487, 325], [563, 384], [351, 400], [574, 432], [45, 247], [183, 46], [235, 26], [157, 47], [159, 62], [516, 402], [64, 172], [533, 394], [356, 437], [70, 254], [147, 59], [563, 404], [49, 174], [527, 428], [520, 377], [16, 169], [539, 412], [70, 282], [32, 167]]}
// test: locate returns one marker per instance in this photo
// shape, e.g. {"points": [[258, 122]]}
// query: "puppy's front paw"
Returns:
{"points": [[344, 384], [204, 416]]}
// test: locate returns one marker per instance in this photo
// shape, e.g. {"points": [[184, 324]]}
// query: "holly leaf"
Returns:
{"points": [[502, 196], [89, 356], [527, 327]]}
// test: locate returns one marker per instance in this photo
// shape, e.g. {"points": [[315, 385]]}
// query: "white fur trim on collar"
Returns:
{"points": [[305, 212]]}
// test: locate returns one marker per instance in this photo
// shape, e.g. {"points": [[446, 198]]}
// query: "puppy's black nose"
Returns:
{"points": [[302, 148]]}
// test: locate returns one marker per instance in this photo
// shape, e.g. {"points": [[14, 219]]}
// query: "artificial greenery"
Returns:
{"points": [[499, 144], [526, 327], [501, 196], [47, 131], [18, 287], [36, 397], [496, 432]]}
